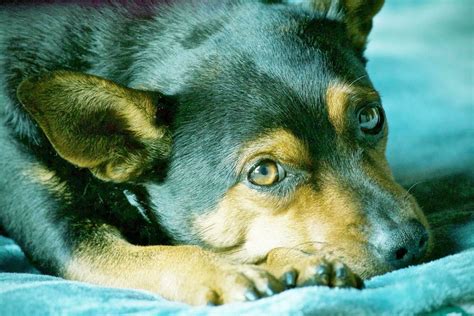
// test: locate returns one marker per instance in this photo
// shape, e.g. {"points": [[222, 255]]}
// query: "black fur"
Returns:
{"points": [[234, 69]]}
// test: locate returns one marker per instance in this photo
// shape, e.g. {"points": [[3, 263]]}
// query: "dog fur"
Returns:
{"points": [[129, 137]]}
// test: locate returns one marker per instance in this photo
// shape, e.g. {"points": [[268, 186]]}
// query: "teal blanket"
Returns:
{"points": [[421, 59], [445, 285]]}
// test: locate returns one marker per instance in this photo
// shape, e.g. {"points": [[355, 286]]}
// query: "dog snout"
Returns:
{"points": [[404, 245]]}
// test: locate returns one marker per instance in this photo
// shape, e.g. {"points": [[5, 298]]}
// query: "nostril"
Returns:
{"points": [[401, 253], [405, 245]]}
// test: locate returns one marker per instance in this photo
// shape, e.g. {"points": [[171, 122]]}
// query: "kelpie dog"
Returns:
{"points": [[207, 151]]}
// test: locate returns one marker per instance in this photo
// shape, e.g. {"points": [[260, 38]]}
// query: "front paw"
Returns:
{"points": [[187, 274], [298, 269], [233, 283], [317, 271]]}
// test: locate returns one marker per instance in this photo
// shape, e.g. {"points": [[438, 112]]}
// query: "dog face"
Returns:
{"points": [[281, 143], [276, 139]]}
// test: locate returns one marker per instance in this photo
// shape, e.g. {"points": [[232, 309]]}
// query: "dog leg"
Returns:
{"points": [[184, 273]]}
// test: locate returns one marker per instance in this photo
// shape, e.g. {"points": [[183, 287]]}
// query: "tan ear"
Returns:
{"points": [[356, 14], [97, 124], [358, 18]]}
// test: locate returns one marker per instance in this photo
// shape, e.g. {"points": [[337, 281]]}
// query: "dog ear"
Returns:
{"points": [[114, 131], [357, 15]]}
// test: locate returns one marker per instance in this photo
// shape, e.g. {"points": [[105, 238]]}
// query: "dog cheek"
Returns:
{"points": [[246, 225], [222, 228], [226, 225], [285, 230]]}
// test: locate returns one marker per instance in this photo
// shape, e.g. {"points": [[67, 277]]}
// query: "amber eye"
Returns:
{"points": [[371, 119], [266, 172]]}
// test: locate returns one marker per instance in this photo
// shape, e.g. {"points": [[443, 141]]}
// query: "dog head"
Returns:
{"points": [[274, 137]]}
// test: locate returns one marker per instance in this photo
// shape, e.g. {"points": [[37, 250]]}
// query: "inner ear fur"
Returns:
{"points": [[97, 124], [356, 14]]}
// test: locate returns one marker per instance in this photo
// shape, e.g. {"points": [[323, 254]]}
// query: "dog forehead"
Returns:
{"points": [[250, 99], [281, 69]]}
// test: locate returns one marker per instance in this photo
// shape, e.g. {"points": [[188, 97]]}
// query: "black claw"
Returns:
{"points": [[341, 273], [323, 273], [360, 283], [251, 295], [269, 291], [289, 278], [322, 269]]}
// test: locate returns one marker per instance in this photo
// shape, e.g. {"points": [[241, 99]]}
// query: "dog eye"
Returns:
{"points": [[371, 119], [266, 172]]}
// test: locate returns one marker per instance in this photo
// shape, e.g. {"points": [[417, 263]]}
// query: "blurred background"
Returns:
{"points": [[421, 59]]}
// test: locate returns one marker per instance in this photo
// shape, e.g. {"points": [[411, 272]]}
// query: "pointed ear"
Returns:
{"points": [[357, 15], [116, 132]]}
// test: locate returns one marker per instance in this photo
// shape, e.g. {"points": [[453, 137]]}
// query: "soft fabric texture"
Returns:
{"points": [[421, 59], [444, 285]]}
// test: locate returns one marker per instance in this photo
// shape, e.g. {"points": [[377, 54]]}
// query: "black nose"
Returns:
{"points": [[406, 244]]}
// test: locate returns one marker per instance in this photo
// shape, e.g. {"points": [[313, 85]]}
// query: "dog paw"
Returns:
{"points": [[238, 284], [298, 269], [317, 271]]}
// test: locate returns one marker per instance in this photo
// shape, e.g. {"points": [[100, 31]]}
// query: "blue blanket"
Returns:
{"points": [[421, 60], [444, 285]]}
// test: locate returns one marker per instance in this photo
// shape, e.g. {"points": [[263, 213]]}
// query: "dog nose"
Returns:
{"points": [[406, 244]]}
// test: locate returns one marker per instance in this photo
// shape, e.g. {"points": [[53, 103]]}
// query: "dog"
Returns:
{"points": [[206, 151]]}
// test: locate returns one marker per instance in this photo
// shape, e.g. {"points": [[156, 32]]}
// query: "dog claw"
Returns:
{"points": [[289, 279], [251, 295], [269, 291], [322, 271], [341, 272], [359, 283]]}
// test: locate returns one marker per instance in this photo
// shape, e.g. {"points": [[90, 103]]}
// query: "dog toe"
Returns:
{"points": [[344, 277]]}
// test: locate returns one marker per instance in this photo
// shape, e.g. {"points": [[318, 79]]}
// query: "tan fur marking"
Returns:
{"points": [[184, 273], [97, 124], [358, 17], [338, 100], [280, 144], [44, 176], [160, 269], [341, 98], [246, 225]]}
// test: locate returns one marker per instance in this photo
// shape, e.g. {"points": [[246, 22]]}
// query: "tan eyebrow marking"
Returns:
{"points": [[342, 96], [279, 143]]}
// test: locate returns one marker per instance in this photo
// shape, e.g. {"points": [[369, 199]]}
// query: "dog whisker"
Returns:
{"points": [[407, 194], [356, 80], [300, 245]]}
